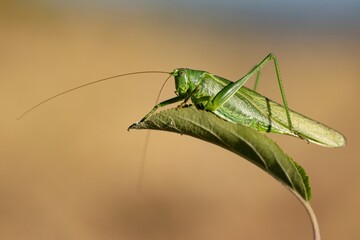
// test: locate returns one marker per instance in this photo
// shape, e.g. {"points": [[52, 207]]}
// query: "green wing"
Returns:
{"points": [[303, 127]]}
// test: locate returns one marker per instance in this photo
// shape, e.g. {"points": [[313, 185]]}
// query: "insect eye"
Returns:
{"points": [[181, 73]]}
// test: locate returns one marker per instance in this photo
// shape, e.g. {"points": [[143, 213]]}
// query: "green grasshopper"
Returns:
{"points": [[235, 103]]}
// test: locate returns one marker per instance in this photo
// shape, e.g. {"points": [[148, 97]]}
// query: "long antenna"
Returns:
{"points": [[146, 147], [84, 85]]}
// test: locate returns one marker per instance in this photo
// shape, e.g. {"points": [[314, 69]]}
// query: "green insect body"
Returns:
{"points": [[233, 102], [242, 108]]}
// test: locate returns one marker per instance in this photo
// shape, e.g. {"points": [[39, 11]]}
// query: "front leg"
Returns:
{"points": [[162, 104]]}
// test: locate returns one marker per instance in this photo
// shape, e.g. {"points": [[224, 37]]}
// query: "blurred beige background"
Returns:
{"points": [[69, 169]]}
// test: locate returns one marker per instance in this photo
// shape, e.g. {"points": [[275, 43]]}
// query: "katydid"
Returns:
{"points": [[235, 103]]}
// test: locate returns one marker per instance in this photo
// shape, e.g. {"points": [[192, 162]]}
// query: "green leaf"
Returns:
{"points": [[244, 141]]}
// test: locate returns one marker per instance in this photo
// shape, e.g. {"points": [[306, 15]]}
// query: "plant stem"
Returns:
{"points": [[310, 211]]}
